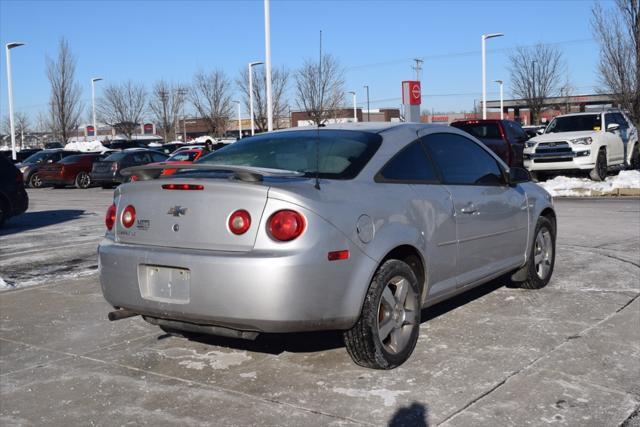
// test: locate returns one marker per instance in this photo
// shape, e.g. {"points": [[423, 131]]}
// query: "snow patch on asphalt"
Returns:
{"points": [[54, 277], [5, 285], [388, 396], [191, 359], [572, 187]]}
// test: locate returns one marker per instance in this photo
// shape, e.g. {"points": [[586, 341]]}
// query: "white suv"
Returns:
{"points": [[584, 141]]}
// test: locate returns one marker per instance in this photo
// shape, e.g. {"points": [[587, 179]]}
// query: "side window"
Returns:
{"points": [[608, 119], [410, 164], [619, 118], [463, 162], [158, 157], [519, 133], [138, 158]]}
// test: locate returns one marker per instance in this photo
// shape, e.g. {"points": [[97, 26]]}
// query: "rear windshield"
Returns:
{"points": [[481, 130], [574, 123], [335, 154]]}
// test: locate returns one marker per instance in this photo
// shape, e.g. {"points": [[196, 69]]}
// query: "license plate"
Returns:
{"points": [[164, 284]]}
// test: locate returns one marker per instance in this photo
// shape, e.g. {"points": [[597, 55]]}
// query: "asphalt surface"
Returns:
{"points": [[568, 354]]}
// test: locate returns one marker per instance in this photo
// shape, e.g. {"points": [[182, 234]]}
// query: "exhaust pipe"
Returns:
{"points": [[121, 314]]}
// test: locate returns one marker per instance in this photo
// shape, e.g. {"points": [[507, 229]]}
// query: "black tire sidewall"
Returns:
{"points": [[385, 273], [78, 182], [533, 281]]}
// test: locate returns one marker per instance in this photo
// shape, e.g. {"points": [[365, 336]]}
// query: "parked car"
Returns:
{"points": [[591, 142], [167, 148], [72, 170], [182, 158], [30, 167], [106, 173], [351, 227], [20, 155], [506, 138], [13, 197]]}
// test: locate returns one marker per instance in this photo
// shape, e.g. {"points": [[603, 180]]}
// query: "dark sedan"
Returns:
{"points": [[72, 170], [30, 168], [13, 197], [106, 173]]}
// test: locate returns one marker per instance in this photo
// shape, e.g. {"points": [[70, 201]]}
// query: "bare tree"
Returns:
{"points": [[123, 106], [64, 101], [536, 74], [619, 35], [320, 88], [279, 84], [167, 100], [21, 125], [211, 96]]}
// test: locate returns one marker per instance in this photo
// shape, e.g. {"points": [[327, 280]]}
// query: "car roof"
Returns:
{"points": [[372, 127], [584, 113]]}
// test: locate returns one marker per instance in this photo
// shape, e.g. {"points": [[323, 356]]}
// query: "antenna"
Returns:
{"points": [[317, 184]]}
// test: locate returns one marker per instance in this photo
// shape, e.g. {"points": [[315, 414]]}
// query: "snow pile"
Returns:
{"points": [[5, 285], [565, 186], [87, 146]]}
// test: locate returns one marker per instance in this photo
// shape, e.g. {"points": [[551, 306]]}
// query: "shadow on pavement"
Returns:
{"points": [[33, 220], [415, 415], [306, 342]]}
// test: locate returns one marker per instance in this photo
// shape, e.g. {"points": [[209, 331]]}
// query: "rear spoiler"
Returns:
{"points": [[242, 173]]}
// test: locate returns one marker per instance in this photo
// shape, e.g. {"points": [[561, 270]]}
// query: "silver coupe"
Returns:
{"points": [[349, 227]]}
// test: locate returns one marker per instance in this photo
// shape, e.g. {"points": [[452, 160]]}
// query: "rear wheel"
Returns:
{"points": [[35, 181], [599, 172], [83, 180], [542, 258], [387, 331]]}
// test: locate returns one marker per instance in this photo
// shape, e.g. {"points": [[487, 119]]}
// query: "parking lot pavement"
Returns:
{"points": [[567, 354]]}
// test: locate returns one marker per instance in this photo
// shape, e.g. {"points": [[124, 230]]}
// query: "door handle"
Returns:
{"points": [[469, 209]]}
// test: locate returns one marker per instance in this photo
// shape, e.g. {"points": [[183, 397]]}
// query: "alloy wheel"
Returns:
{"points": [[397, 314], [543, 253]]}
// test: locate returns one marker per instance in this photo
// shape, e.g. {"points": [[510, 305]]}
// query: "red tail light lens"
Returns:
{"points": [[286, 225], [182, 187], [110, 219], [239, 222], [128, 216]]}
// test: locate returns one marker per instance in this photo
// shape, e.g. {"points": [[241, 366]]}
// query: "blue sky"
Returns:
{"points": [[373, 40]]}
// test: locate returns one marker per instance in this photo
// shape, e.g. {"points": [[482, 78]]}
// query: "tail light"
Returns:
{"points": [[182, 187], [239, 222], [128, 216], [114, 166], [62, 170], [286, 225], [110, 219]]}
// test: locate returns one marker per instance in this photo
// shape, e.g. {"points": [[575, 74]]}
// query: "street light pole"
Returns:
{"points": [[93, 104], [484, 71], [533, 65], [368, 109], [267, 63], [355, 112], [501, 99], [239, 121], [251, 65], [8, 47]]}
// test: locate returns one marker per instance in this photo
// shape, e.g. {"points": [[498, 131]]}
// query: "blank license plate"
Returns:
{"points": [[164, 284]]}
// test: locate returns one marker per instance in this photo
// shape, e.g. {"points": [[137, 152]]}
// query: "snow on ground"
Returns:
{"points": [[566, 186]]}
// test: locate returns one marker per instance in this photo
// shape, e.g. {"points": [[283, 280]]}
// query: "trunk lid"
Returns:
{"points": [[195, 219]]}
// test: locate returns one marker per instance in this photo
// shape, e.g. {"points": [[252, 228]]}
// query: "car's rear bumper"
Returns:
{"points": [[100, 178], [249, 291]]}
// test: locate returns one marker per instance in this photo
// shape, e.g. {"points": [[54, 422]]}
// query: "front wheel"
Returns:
{"points": [[542, 257], [599, 172], [387, 331], [35, 181], [83, 180]]}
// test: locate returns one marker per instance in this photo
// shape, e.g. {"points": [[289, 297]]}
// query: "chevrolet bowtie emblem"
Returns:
{"points": [[177, 211]]}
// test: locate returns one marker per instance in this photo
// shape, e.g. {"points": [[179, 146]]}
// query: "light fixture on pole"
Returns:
{"points": [[500, 82], [251, 65], [93, 103], [267, 64], [8, 47], [368, 109], [239, 120], [484, 70], [355, 112]]}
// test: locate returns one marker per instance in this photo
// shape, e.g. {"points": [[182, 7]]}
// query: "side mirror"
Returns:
{"points": [[612, 126], [518, 175], [540, 131]]}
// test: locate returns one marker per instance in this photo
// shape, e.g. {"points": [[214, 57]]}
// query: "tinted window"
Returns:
{"points": [[337, 154], [518, 133], [411, 164], [140, 157], [37, 157], [574, 123], [116, 156], [70, 159], [462, 161], [619, 118], [157, 157], [481, 130]]}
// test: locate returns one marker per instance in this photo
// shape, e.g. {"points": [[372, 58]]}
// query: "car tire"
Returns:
{"points": [[599, 172], [542, 257], [83, 180], [387, 331], [635, 157], [35, 181]]}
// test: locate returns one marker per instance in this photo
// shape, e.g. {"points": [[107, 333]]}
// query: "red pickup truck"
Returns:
{"points": [[506, 138]]}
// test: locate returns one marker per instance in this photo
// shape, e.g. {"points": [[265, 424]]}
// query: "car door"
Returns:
{"points": [[624, 131], [615, 143], [491, 216], [430, 207]]}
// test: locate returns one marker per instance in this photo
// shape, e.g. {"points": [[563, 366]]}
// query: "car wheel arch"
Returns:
{"points": [[551, 216], [410, 255]]}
